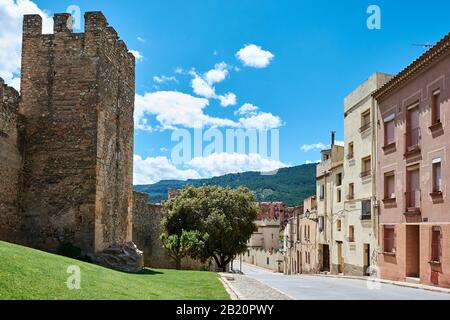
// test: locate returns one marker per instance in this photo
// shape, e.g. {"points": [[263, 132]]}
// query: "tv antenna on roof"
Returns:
{"points": [[423, 45]]}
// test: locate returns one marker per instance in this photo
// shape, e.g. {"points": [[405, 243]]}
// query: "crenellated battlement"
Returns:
{"points": [[96, 26], [9, 97]]}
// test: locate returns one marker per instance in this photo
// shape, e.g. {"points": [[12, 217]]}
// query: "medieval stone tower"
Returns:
{"points": [[76, 137]]}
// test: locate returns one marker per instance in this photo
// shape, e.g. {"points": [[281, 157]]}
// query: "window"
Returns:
{"points": [[437, 176], [322, 192], [366, 210], [389, 239], [321, 224], [339, 196], [351, 191], [436, 245], [339, 225], [351, 151], [366, 167], [365, 121], [389, 186], [436, 107], [306, 234], [339, 179], [351, 234], [389, 130], [268, 261], [272, 236], [413, 128]]}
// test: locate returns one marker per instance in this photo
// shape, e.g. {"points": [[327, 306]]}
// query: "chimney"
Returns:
{"points": [[333, 138]]}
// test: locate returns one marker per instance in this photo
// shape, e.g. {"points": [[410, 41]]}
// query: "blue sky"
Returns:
{"points": [[316, 52]]}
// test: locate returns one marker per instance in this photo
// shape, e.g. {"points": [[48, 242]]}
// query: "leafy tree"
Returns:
{"points": [[183, 245], [226, 215]]}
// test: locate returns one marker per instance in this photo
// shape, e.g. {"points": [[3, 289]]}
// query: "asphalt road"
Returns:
{"points": [[306, 287]]}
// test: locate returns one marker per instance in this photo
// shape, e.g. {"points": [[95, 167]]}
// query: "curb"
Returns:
{"points": [[234, 294], [391, 282]]}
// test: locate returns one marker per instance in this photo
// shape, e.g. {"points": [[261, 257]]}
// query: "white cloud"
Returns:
{"points": [[152, 170], [137, 54], [315, 146], [164, 79], [203, 85], [218, 74], [254, 56], [247, 109], [11, 18], [228, 99], [178, 70], [202, 88], [218, 164], [173, 109], [140, 39], [312, 162], [261, 121]]}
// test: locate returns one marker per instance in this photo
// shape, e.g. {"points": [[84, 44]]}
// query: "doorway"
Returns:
{"points": [[413, 251], [340, 257], [325, 258], [367, 263]]}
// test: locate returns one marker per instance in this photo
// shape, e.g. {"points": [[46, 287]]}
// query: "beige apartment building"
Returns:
{"points": [[329, 192], [267, 237], [356, 244], [300, 239], [307, 239]]}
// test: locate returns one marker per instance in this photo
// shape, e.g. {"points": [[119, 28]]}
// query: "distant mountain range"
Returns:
{"points": [[290, 185]]}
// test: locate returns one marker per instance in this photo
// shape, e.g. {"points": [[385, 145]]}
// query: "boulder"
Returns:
{"points": [[126, 257]]}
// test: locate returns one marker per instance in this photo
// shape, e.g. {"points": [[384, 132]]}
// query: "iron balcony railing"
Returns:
{"points": [[413, 201], [412, 139], [365, 173], [365, 127]]}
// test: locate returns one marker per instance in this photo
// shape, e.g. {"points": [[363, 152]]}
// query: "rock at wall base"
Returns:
{"points": [[126, 258]]}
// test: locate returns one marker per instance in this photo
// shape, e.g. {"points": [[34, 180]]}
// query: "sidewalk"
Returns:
{"points": [[396, 283], [241, 287]]}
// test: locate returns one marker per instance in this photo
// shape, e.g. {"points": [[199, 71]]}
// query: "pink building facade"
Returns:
{"points": [[275, 211], [413, 171]]}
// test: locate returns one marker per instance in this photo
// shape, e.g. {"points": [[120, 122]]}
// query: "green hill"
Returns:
{"points": [[290, 185], [27, 274]]}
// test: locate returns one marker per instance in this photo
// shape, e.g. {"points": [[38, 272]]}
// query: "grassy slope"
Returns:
{"points": [[30, 274]]}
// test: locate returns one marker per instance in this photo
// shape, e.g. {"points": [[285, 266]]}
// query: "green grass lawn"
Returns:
{"points": [[34, 275]]}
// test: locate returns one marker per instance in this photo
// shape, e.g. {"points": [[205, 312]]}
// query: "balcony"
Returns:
{"points": [[351, 197], [413, 200], [365, 127], [412, 142], [350, 156], [366, 174]]}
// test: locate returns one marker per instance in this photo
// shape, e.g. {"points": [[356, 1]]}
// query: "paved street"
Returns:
{"points": [[304, 287]]}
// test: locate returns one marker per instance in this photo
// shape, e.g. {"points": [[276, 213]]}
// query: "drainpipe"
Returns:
{"points": [[374, 167]]}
